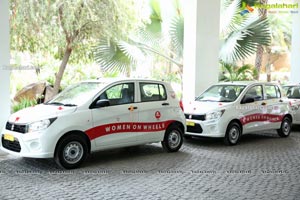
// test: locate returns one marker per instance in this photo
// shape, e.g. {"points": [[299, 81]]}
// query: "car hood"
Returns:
{"points": [[40, 112], [203, 107]]}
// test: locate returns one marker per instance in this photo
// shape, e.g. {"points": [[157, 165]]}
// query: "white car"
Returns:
{"points": [[293, 93], [96, 115], [229, 110]]}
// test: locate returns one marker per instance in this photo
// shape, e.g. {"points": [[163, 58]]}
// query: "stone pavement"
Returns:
{"points": [[262, 166]]}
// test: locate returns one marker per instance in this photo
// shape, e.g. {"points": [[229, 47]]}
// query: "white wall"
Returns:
{"points": [[4, 63], [201, 46], [295, 55]]}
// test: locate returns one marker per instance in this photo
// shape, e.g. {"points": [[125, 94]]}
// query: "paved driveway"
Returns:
{"points": [[262, 166]]}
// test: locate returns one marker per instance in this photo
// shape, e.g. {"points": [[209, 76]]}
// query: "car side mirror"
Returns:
{"points": [[247, 99], [102, 103]]}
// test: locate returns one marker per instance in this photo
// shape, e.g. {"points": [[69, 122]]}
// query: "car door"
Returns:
{"points": [[295, 101], [153, 111], [252, 112], [113, 120], [275, 107]]}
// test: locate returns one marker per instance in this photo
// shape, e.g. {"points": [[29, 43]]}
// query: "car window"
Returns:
{"points": [[293, 92], [152, 92], [221, 93], [255, 92], [119, 94], [272, 92], [77, 94]]}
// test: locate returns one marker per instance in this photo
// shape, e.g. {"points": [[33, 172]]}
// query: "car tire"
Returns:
{"points": [[71, 151], [233, 134], [173, 139], [285, 128]]}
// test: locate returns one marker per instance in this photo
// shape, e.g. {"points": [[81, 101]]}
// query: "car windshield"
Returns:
{"points": [[221, 93], [77, 94], [292, 92]]}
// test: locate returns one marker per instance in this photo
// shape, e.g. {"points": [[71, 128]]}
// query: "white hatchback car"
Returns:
{"points": [[228, 110], [96, 115], [293, 94]]}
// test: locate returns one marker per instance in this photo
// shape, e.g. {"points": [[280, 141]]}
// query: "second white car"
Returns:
{"points": [[229, 110]]}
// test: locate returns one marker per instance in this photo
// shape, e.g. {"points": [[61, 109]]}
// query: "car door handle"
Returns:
{"points": [[132, 108], [165, 104], [263, 103]]}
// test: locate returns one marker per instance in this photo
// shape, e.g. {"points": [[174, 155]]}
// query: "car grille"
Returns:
{"points": [[194, 129], [13, 146], [196, 117], [16, 127]]}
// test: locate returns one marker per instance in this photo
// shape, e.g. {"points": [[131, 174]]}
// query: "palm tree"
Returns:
{"points": [[240, 37], [123, 55], [280, 26], [260, 48], [241, 34], [232, 72]]}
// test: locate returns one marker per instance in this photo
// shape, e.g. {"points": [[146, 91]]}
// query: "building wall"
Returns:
{"points": [[201, 46], [4, 63]]}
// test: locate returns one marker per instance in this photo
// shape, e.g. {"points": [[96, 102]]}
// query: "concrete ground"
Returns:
{"points": [[261, 166]]}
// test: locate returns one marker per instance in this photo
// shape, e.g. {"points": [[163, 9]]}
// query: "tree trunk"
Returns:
{"points": [[258, 59], [61, 70], [260, 48]]}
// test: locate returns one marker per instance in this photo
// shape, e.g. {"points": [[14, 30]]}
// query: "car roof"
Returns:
{"points": [[292, 85], [113, 80], [245, 83]]}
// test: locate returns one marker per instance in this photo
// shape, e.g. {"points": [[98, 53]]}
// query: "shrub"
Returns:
{"points": [[24, 103]]}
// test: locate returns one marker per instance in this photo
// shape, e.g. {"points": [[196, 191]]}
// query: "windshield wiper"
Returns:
{"points": [[207, 100], [226, 101], [55, 103], [69, 104], [61, 104]]}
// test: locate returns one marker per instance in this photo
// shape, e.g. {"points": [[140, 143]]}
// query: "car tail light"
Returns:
{"points": [[181, 105]]}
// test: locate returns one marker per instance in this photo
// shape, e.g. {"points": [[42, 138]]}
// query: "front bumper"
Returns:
{"points": [[210, 128], [32, 145]]}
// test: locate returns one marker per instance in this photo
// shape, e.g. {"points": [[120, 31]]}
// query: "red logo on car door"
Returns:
{"points": [[157, 115]]}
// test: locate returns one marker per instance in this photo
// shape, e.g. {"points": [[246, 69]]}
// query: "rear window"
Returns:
{"points": [[152, 92]]}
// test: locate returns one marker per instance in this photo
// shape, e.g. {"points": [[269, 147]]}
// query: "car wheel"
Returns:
{"points": [[233, 134], [285, 128], [71, 151], [173, 139]]}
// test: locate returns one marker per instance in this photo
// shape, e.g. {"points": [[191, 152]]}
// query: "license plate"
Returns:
{"points": [[9, 137], [190, 123]]}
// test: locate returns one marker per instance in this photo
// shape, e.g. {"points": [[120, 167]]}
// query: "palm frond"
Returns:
{"points": [[229, 12], [243, 42], [111, 57], [177, 34]]}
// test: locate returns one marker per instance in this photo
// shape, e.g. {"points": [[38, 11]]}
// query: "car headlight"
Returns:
{"points": [[214, 115], [40, 125]]}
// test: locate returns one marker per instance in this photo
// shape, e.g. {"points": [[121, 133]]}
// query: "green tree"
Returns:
{"points": [[241, 34], [260, 48], [62, 27], [122, 55], [281, 34], [232, 72]]}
